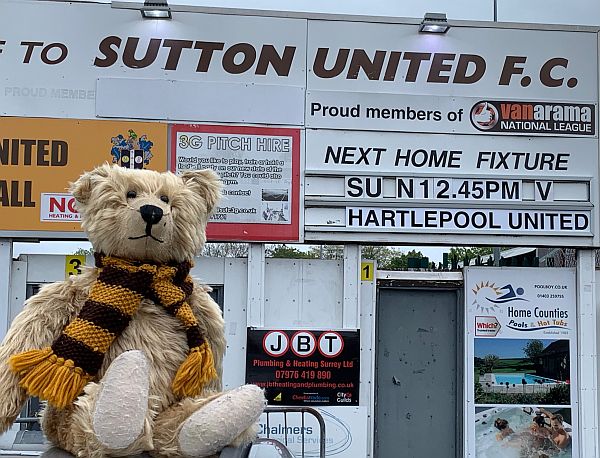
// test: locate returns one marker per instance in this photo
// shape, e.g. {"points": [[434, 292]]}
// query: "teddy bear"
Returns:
{"points": [[128, 354]]}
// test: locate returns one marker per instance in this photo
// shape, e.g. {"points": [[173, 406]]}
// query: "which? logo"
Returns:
{"points": [[487, 326]]}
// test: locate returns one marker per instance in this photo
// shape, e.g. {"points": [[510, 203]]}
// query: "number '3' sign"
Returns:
{"points": [[73, 265]]}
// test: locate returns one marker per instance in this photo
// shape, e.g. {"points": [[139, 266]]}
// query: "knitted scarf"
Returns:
{"points": [[59, 373]]}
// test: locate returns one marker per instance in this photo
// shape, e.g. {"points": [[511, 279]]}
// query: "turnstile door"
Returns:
{"points": [[416, 374]]}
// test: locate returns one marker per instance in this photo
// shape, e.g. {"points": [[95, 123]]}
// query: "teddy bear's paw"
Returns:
{"points": [[122, 404], [220, 422]]}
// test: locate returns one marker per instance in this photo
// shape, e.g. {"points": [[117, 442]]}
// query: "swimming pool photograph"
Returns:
{"points": [[522, 371], [523, 432]]}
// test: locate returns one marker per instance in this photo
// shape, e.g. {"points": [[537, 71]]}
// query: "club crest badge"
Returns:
{"points": [[131, 151]]}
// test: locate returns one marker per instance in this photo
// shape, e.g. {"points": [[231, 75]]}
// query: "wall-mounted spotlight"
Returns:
{"points": [[156, 9], [434, 23]]}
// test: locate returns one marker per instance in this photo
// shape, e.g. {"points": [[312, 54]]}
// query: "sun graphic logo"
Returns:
{"points": [[488, 296], [483, 293]]}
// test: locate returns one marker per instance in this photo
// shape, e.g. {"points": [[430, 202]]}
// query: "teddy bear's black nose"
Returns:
{"points": [[151, 213]]}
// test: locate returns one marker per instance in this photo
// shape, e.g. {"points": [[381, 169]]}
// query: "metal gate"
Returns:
{"points": [[416, 391]]}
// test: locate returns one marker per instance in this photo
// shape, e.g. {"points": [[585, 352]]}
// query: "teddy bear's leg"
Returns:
{"points": [[122, 406], [112, 417], [201, 427]]}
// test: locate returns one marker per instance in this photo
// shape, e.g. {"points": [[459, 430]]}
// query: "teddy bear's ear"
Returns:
{"points": [[206, 183], [82, 188]]}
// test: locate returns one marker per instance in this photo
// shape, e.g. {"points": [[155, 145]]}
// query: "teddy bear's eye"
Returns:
{"points": [[165, 199], [131, 194]]}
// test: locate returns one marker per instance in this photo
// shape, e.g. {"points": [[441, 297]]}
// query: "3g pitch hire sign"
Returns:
{"points": [[400, 187], [260, 171], [305, 367]]}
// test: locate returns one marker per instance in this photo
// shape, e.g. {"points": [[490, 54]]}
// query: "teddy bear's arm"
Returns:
{"points": [[37, 326], [210, 318]]}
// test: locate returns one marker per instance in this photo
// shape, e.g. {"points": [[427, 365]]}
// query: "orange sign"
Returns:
{"points": [[39, 157]]}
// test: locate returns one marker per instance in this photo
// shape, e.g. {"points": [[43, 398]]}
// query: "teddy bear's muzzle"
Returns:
{"points": [[151, 214]]}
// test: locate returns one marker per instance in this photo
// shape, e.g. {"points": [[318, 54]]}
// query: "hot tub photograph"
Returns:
{"points": [[523, 432]]}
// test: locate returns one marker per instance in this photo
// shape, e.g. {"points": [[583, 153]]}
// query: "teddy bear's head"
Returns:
{"points": [[146, 215]]}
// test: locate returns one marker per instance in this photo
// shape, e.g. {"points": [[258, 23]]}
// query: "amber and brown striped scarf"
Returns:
{"points": [[59, 373]]}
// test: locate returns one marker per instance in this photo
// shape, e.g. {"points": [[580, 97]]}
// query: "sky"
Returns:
{"points": [[504, 348], [573, 12], [49, 247]]}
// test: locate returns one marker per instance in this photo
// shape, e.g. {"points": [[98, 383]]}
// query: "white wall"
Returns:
{"points": [[298, 294]]}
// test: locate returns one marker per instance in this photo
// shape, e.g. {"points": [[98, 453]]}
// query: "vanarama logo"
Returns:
{"points": [[489, 297], [484, 116], [132, 152], [534, 117]]}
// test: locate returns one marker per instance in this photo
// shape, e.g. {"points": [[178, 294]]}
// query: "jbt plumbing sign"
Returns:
{"points": [[303, 367]]}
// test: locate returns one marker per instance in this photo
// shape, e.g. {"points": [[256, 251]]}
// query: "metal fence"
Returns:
{"points": [[302, 411]]}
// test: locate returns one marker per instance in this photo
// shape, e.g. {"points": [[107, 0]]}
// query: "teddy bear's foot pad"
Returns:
{"points": [[122, 404], [219, 422]]}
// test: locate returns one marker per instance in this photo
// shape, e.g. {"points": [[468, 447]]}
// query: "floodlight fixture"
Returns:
{"points": [[156, 9], [434, 23]]}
